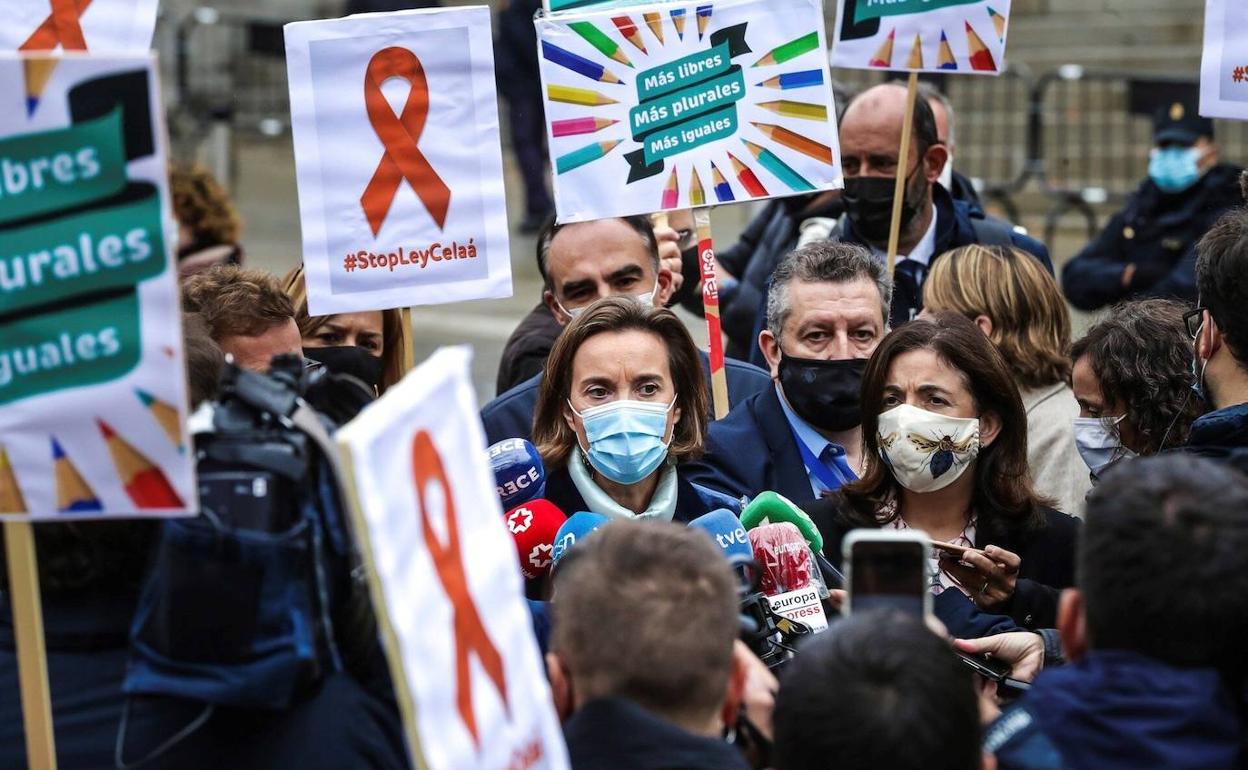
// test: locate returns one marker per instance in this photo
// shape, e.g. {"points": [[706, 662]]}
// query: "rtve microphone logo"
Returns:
{"points": [[737, 536]]}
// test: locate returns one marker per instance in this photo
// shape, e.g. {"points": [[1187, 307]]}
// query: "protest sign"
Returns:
{"points": [[398, 160], [1224, 63], [92, 393], [102, 26], [944, 36], [735, 105], [444, 578]]}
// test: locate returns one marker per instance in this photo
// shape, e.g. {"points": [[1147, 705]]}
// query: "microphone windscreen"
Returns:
{"points": [[518, 472], [783, 557], [534, 526], [576, 527], [726, 530], [775, 508]]}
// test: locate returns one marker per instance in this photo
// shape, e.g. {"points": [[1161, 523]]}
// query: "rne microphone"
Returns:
{"points": [[789, 575], [519, 475], [534, 526], [573, 530]]}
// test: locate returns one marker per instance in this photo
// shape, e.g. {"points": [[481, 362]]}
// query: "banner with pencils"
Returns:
{"points": [[673, 105], [1224, 62], [945, 36], [398, 159], [92, 389], [77, 25]]}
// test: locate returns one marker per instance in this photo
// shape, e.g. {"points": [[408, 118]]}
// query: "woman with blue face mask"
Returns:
{"points": [[622, 402]]}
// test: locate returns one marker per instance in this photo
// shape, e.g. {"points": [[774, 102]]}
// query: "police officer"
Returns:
{"points": [[1148, 248]]}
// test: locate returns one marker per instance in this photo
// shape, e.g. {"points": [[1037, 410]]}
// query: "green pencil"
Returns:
{"points": [[599, 40], [587, 154], [778, 168], [790, 50]]}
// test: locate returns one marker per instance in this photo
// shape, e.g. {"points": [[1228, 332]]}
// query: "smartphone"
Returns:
{"points": [[949, 550], [989, 668], [888, 569]]}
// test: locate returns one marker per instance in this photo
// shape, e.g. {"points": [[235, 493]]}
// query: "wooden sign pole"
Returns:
{"points": [[710, 306], [409, 340], [32, 660], [903, 163]]}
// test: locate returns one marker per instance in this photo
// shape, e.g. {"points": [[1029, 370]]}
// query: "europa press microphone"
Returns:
{"points": [[518, 472], [533, 525], [789, 575]]}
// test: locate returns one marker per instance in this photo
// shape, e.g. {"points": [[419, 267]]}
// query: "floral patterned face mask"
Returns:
{"points": [[925, 450]]}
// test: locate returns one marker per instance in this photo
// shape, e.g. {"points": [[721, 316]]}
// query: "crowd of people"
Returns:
{"points": [[1090, 488]]}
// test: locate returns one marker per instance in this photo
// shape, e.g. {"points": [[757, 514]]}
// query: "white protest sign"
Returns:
{"points": [[398, 160], [105, 26], [444, 577], [941, 36], [92, 387], [1224, 63]]}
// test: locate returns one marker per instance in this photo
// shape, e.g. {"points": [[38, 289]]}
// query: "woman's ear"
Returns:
{"points": [[985, 324], [1072, 624], [989, 428]]}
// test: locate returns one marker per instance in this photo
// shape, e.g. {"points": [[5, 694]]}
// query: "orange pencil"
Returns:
{"points": [[795, 141], [981, 57], [11, 500], [655, 22], [144, 482], [629, 30], [671, 192], [747, 178], [72, 493], [884, 55], [166, 415]]}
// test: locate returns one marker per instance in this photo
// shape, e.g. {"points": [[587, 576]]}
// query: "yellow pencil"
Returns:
{"points": [[697, 195], [916, 55], [791, 109], [11, 500], [582, 96]]}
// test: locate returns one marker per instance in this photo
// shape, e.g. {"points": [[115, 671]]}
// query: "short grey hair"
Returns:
{"points": [[931, 93], [824, 262]]}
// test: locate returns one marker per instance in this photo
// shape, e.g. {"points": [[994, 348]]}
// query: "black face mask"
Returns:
{"points": [[349, 359], [869, 204], [825, 394]]}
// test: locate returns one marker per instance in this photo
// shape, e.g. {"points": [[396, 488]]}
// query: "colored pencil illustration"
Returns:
{"points": [[574, 126], [723, 190], [581, 96], [704, 18], [671, 192], [11, 500], [678, 21], [981, 57], [578, 64], [804, 110], [998, 21], [791, 80], [587, 154], [72, 493], [598, 39], [166, 415], [144, 482], [795, 141], [778, 168], [944, 59], [915, 62], [36, 72], [747, 178], [790, 50], [628, 29], [697, 194], [655, 22], [884, 54]]}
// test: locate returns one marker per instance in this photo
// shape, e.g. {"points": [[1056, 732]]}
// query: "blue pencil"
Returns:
{"points": [[704, 18], [790, 80], [678, 21], [723, 190], [578, 64]]}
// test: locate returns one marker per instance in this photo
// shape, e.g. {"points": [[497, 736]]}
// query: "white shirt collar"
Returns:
{"points": [[925, 249]]}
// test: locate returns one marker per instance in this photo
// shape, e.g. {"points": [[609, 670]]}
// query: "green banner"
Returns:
{"points": [[675, 74], [103, 248], [69, 348], [687, 136], [687, 103], [874, 9], [56, 170]]}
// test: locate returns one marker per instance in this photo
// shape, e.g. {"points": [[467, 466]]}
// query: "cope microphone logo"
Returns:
{"points": [[541, 555], [519, 520]]}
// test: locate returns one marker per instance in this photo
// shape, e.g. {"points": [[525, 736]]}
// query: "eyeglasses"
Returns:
{"points": [[1193, 320]]}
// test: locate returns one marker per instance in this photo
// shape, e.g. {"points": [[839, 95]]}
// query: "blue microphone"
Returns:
{"points": [[573, 530], [518, 472], [727, 532]]}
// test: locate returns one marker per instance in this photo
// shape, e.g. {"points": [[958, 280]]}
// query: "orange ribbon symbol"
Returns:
{"points": [[398, 135], [61, 27], [470, 634]]}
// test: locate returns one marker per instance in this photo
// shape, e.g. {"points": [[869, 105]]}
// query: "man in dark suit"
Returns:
{"points": [[827, 310]]}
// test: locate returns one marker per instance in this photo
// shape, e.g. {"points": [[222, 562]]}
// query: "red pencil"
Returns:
{"points": [[671, 192], [144, 482], [629, 30], [981, 57], [747, 178]]}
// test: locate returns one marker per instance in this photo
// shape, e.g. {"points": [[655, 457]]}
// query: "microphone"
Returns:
{"points": [[573, 530], [773, 508], [518, 472], [790, 576], [726, 530], [534, 526]]}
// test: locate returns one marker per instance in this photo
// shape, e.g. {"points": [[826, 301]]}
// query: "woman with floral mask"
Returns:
{"points": [[946, 447], [621, 403]]}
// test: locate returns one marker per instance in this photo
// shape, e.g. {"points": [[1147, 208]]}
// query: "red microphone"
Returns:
{"points": [[533, 525], [789, 575]]}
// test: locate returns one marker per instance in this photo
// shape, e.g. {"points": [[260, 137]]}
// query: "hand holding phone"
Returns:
{"points": [[888, 569]]}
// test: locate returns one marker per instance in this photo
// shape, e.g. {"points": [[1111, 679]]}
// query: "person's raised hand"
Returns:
{"points": [[1023, 650], [669, 254], [989, 576], [760, 689]]}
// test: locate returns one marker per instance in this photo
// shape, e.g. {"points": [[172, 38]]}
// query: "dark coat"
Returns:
{"points": [[511, 414], [524, 355], [616, 734], [752, 450], [1047, 553], [566, 497], [1157, 232], [1222, 435]]}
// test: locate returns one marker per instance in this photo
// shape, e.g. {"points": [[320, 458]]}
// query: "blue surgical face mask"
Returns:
{"points": [[1174, 169], [1098, 443], [627, 439]]}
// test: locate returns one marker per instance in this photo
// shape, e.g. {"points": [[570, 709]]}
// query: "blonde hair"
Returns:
{"points": [[1030, 321], [391, 328], [202, 205]]}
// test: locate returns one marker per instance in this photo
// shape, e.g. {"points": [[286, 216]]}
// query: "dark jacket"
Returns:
{"points": [[527, 348], [511, 414], [751, 450], [1047, 553], [1157, 232], [690, 503], [1222, 435], [1118, 710], [616, 734]]}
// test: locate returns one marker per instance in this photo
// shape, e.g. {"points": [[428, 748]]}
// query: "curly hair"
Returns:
{"points": [[234, 301], [1142, 356], [202, 205]]}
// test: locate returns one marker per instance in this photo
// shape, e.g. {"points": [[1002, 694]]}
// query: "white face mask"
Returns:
{"points": [[645, 299], [925, 450], [1098, 443]]}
